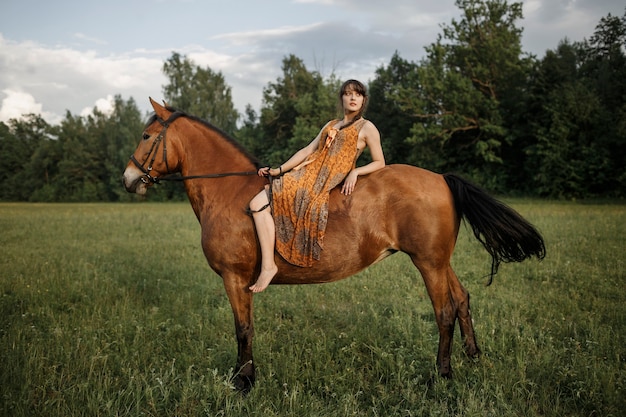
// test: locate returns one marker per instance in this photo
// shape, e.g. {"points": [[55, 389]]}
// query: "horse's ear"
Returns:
{"points": [[154, 103], [161, 111]]}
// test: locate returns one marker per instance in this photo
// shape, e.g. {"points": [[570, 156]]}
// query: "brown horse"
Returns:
{"points": [[399, 208]]}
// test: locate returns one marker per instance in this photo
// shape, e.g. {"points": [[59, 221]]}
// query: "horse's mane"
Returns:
{"points": [[257, 163]]}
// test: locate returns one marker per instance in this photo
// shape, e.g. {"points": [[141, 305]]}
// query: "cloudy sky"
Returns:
{"points": [[72, 55]]}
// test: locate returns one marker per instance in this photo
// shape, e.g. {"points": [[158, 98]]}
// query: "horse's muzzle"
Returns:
{"points": [[133, 181]]}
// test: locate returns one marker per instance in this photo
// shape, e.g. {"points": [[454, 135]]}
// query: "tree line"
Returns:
{"points": [[476, 104]]}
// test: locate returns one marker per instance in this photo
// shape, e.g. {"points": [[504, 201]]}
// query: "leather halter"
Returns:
{"points": [[154, 149]]}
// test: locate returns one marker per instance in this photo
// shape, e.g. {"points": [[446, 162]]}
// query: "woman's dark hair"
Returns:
{"points": [[354, 85]]}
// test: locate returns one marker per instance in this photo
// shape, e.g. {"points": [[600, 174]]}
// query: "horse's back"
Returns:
{"points": [[396, 191]]}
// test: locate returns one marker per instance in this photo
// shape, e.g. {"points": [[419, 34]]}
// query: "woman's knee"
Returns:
{"points": [[259, 201]]}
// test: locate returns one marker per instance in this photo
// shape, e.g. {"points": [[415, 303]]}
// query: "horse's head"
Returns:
{"points": [[152, 158]]}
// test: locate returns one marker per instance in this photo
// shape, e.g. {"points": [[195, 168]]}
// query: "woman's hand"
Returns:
{"points": [[349, 183], [266, 171]]}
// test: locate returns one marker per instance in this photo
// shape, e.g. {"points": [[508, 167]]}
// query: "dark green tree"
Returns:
{"points": [[294, 109], [20, 139], [579, 111], [603, 71], [121, 134], [42, 171], [77, 180], [199, 91], [464, 90], [249, 133], [391, 119]]}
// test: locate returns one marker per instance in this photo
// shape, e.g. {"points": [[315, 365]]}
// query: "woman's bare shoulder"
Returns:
{"points": [[369, 127]]}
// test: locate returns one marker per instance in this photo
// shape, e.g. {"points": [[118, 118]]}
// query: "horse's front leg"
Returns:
{"points": [[241, 303]]}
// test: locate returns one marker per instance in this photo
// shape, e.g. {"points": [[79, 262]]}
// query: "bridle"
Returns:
{"points": [[147, 177]]}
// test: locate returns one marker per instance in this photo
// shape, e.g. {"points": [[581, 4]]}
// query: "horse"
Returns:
{"points": [[398, 208]]}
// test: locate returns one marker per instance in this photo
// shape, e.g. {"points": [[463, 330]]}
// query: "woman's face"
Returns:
{"points": [[352, 100]]}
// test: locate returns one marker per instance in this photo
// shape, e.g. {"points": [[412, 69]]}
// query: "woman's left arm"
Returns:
{"points": [[369, 133]]}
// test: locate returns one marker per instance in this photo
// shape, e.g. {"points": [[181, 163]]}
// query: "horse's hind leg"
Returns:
{"points": [[436, 281], [461, 299]]}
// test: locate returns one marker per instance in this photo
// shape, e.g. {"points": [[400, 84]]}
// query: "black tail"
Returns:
{"points": [[504, 233]]}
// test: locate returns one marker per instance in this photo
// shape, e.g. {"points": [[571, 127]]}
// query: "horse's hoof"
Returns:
{"points": [[243, 384], [473, 352], [445, 372]]}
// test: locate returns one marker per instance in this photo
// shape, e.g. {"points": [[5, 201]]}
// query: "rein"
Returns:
{"points": [[176, 177], [152, 155]]}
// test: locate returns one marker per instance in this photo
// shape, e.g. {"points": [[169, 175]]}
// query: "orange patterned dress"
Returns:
{"points": [[300, 197]]}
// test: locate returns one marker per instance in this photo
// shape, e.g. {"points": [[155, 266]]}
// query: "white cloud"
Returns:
{"points": [[15, 104], [104, 105], [248, 37], [84, 37], [67, 79]]}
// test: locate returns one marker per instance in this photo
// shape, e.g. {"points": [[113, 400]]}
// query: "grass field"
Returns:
{"points": [[111, 310]]}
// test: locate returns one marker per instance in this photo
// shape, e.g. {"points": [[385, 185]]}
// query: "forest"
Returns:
{"points": [[476, 104]]}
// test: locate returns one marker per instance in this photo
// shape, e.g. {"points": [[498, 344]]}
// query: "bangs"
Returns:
{"points": [[353, 85]]}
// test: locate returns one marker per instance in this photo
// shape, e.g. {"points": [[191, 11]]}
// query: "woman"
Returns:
{"points": [[301, 186]]}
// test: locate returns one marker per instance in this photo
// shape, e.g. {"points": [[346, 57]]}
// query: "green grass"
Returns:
{"points": [[111, 310]]}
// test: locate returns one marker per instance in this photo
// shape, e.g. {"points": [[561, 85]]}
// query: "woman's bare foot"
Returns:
{"points": [[264, 279]]}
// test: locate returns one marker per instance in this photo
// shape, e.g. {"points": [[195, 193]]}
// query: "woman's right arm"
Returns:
{"points": [[297, 157]]}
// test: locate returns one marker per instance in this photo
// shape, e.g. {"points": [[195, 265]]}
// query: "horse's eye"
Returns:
{"points": [[146, 136]]}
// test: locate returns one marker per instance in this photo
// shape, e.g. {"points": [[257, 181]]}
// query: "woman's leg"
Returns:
{"points": [[266, 231]]}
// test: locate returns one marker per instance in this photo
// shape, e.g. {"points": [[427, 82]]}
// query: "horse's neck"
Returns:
{"points": [[207, 153]]}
